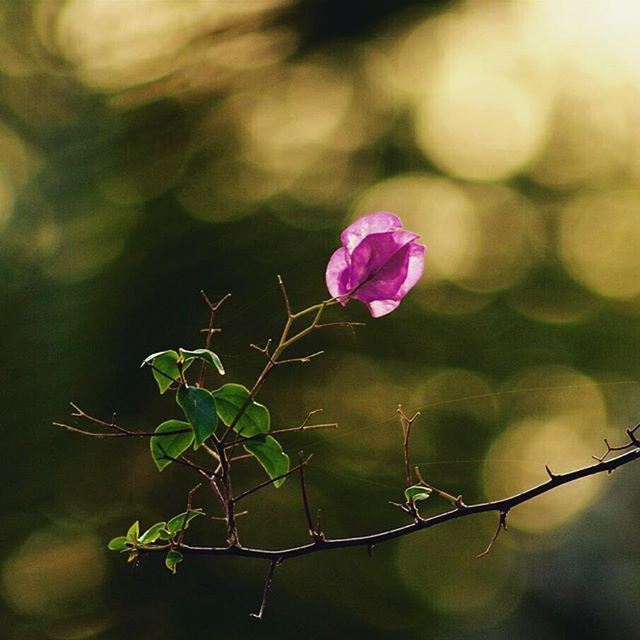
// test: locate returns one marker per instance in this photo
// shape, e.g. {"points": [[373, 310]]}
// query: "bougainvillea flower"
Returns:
{"points": [[378, 263]]}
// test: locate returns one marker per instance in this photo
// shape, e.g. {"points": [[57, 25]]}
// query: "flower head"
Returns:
{"points": [[378, 263]]}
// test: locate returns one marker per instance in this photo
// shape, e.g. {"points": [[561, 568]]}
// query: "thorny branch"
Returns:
{"points": [[500, 506]]}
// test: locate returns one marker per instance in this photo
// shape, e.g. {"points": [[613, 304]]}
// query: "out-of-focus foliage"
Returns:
{"points": [[153, 148]]}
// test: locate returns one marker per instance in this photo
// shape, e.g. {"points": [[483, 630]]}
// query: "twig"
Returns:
{"points": [[244, 456], [121, 431], [350, 325], [302, 360], [185, 462], [454, 500], [285, 297], [274, 432], [266, 483], [406, 424], [266, 349], [316, 535], [502, 524], [187, 512], [68, 427], [213, 308], [162, 373], [265, 591]]}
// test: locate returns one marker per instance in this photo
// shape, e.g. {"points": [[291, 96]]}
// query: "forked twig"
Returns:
{"points": [[406, 424]]}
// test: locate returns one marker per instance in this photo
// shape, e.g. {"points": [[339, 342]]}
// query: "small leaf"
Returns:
{"points": [[200, 409], [173, 445], [134, 532], [270, 455], [172, 560], [165, 368], [152, 533], [175, 524], [255, 419], [118, 544], [203, 354], [417, 492]]}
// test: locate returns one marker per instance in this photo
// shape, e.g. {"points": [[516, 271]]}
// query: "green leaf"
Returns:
{"points": [[200, 409], [270, 455], [255, 419], [165, 368], [172, 560], [173, 445], [134, 532], [176, 523], [417, 492], [203, 354], [153, 533], [119, 544]]}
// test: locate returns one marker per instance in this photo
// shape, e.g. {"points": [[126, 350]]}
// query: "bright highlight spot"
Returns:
{"points": [[478, 125], [516, 460], [599, 240]]}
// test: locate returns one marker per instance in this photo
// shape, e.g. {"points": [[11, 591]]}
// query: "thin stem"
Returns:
{"points": [[275, 432], [454, 500], [188, 510], [265, 591], [502, 524], [213, 308], [266, 483], [68, 427], [315, 535], [121, 431], [406, 424]]}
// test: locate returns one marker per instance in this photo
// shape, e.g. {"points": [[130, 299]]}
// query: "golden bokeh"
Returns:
{"points": [[516, 461], [52, 570], [558, 418], [599, 236], [479, 88], [478, 126], [119, 44]]}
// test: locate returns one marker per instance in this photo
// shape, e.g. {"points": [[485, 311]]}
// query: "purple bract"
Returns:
{"points": [[378, 263]]}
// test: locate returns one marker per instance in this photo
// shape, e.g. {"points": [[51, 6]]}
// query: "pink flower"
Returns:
{"points": [[378, 263]]}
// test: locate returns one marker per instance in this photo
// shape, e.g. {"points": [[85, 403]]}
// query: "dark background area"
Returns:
{"points": [[150, 149]]}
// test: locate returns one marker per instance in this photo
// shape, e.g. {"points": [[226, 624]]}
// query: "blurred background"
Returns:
{"points": [[153, 148]]}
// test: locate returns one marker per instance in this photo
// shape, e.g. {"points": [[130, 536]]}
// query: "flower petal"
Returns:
{"points": [[337, 274], [373, 223], [379, 308], [379, 265], [415, 268]]}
